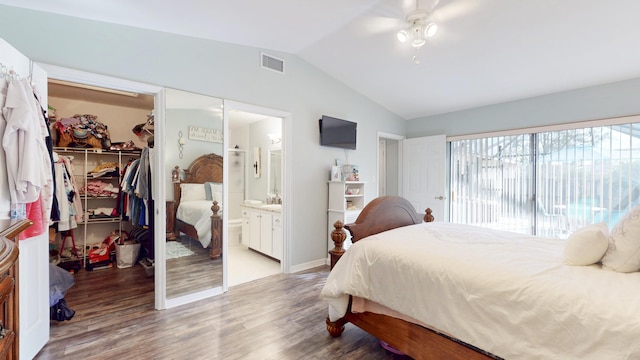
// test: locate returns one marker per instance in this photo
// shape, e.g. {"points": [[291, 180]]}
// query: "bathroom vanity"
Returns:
{"points": [[262, 229]]}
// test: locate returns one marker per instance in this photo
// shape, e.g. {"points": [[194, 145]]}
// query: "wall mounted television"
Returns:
{"points": [[337, 132]]}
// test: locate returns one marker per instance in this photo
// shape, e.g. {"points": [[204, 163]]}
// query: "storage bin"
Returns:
{"points": [[127, 254]]}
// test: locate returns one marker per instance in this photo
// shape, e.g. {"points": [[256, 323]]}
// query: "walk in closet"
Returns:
{"points": [[98, 176], [102, 205]]}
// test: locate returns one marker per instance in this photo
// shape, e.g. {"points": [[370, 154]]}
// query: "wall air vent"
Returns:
{"points": [[271, 63]]}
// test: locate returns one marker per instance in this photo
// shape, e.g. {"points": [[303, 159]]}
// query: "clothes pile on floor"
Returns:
{"points": [[60, 281]]}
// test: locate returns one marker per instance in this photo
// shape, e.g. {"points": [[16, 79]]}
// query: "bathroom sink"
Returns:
{"points": [[272, 206]]}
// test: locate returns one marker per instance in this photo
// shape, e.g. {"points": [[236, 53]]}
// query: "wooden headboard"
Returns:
{"points": [[381, 214], [206, 168]]}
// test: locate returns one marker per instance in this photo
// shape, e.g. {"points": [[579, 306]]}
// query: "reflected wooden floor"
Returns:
{"points": [[193, 273], [276, 317]]}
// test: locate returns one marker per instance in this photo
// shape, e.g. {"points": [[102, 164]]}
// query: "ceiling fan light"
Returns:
{"points": [[417, 42], [432, 29], [403, 36]]}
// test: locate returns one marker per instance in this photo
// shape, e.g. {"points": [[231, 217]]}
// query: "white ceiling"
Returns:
{"points": [[485, 51]]}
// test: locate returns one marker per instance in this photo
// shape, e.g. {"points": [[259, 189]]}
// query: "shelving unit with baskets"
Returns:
{"points": [[99, 195]]}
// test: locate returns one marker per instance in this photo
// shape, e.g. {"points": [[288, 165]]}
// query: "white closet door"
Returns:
{"points": [[34, 252]]}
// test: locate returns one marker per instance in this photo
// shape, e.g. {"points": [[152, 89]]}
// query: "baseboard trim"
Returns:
{"points": [[308, 265]]}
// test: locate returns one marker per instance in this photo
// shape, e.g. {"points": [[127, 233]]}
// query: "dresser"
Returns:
{"points": [[9, 311]]}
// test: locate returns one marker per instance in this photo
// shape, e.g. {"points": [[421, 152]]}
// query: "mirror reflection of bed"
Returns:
{"points": [[194, 253], [189, 267]]}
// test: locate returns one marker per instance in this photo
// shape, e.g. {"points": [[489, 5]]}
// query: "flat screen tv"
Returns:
{"points": [[338, 133]]}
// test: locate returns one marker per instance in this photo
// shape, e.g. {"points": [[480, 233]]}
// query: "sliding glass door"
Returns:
{"points": [[547, 183], [492, 182]]}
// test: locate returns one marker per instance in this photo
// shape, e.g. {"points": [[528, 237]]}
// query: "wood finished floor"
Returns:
{"points": [[277, 317], [185, 274]]}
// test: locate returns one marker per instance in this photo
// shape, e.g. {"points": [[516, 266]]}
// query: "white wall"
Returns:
{"points": [[591, 103], [179, 120], [225, 71]]}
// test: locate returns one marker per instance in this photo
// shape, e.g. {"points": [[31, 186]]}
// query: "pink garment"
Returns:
{"points": [[35, 214]]}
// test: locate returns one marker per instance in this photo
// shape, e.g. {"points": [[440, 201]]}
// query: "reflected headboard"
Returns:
{"points": [[206, 168]]}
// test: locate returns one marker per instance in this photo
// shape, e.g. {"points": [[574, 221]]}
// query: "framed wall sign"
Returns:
{"points": [[205, 134]]}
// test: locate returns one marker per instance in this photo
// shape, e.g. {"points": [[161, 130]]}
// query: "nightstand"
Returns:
{"points": [[171, 220]]}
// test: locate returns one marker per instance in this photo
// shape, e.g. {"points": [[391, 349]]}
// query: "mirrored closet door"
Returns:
{"points": [[194, 154]]}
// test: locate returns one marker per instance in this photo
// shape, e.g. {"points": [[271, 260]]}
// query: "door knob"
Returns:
{"points": [[440, 197]]}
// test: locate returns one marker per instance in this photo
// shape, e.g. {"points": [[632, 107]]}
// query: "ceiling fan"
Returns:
{"points": [[419, 28]]}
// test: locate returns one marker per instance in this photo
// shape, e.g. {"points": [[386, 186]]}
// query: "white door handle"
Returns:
{"points": [[440, 197]]}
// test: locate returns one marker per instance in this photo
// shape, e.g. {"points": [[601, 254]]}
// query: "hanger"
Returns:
{"points": [[8, 73]]}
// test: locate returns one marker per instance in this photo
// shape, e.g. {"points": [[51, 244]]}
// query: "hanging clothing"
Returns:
{"points": [[27, 157], [136, 189], [23, 142], [5, 201], [67, 194]]}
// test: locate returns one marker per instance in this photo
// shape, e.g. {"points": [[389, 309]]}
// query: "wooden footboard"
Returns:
{"points": [[215, 248], [382, 214], [216, 232], [411, 339]]}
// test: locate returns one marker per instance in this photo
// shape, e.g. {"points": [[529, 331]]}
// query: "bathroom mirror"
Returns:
{"points": [[194, 126], [275, 172]]}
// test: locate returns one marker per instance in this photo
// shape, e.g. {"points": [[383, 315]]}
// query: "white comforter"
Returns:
{"points": [[197, 213], [506, 293]]}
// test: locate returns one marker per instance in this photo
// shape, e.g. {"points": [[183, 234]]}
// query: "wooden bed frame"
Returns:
{"points": [[381, 214], [206, 168]]}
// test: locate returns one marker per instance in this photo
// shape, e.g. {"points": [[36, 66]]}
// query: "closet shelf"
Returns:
{"points": [[96, 151], [99, 177], [101, 220], [89, 197]]}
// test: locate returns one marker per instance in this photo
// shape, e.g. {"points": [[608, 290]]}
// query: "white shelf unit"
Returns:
{"points": [[346, 200], [93, 229]]}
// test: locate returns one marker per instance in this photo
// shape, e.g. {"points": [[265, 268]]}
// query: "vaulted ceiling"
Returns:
{"points": [[485, 52]]}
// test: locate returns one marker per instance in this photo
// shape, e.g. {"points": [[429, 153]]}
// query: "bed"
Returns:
{"points": [[437, 290], [197, 202]]}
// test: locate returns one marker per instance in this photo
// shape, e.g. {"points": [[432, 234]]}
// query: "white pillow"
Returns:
{"points": [[216, 192], [191, 192], [623, 254], [210, 187], [587, 245]]}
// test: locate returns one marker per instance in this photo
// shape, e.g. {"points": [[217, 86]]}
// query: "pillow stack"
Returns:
{"points": [[619, 250]]}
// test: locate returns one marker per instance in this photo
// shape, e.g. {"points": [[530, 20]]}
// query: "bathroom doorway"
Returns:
{"points": [[256, 226]]}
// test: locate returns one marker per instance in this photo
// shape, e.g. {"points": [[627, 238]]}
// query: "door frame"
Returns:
{"points": [[83, 77], [229, 105], [384, 135]]}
